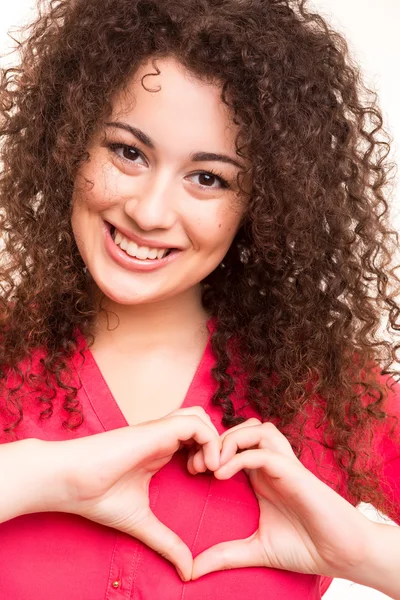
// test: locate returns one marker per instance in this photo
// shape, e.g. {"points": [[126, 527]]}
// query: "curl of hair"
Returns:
{"points": [[302, 290]]}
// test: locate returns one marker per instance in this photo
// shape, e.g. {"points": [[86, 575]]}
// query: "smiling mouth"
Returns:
{"points": [[132, 249]]}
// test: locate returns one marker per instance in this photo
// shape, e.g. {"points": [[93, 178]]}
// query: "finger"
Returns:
{"points": [[245, 437], [249, 423], [198, 411], [195, 463], [266, 435], [193, 427], [229, 555], [190, 464], [199, 465], [160, 538], [201, 413], [275, 465]]}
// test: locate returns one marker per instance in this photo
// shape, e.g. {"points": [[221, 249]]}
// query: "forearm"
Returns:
{"points": [[28, 478], [381, 568]]}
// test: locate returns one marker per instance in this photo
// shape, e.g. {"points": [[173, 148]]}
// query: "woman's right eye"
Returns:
{"points": [[129, 154]]}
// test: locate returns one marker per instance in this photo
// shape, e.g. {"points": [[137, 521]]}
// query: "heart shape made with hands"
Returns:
{"points": [[304, 525], [202, 456], [252, 435]]}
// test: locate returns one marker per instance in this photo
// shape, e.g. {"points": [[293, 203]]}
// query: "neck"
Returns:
{"points": [[171, 321]]}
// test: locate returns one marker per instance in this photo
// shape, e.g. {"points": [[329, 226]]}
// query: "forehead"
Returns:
{"points": [[179, 111]]}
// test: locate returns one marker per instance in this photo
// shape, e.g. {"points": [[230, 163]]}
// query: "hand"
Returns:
{"points": [[304, 525], [109, 475]]}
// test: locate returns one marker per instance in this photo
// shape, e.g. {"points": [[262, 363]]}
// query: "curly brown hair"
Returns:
{"points": [[303, 288]]}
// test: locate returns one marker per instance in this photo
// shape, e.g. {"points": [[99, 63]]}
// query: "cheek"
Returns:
{"points": [[87, 206], [216, 234], [96, 188], [227, 223], [87, 203]]}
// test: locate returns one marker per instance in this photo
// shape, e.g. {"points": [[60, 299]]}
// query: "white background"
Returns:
{"points": [[372, 28]]}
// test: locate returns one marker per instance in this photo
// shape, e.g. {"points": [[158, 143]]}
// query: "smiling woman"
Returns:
{"points": [[193, 395], [151, 184]]}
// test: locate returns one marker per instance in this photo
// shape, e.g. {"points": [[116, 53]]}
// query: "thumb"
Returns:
{"points": [[160, 538], [229, 555]]}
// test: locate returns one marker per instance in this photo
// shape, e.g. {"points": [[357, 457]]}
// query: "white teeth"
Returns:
{"points": [[141, 252], [131, 249], [152, 253]]}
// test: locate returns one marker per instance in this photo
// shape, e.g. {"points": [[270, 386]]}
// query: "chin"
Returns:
{"points": [[120, 296], [126, 297]]}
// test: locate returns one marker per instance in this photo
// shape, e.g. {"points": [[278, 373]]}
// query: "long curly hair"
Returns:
{"points": [[300, 296]]}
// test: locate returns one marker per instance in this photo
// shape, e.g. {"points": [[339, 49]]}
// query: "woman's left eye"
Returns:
{"points": [[208, 178]]}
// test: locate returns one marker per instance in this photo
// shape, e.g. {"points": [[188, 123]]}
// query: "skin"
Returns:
{"points": [[160, 194]]}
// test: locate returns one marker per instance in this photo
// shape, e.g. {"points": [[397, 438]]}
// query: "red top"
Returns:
{"points": [[60, 556]]}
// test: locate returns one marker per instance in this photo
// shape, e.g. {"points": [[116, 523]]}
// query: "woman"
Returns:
{"points": [[196, 263]]}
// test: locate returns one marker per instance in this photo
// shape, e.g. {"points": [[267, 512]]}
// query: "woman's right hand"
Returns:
{"points": [[108, 474]]}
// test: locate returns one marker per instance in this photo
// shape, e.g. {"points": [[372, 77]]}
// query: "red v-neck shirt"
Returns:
{"points": [[60, 556]]}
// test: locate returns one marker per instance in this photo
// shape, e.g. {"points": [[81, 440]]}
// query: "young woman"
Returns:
{"points": [[194, 393]]}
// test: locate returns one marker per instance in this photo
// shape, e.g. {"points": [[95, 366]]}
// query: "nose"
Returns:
{"points": [[152, 206]]}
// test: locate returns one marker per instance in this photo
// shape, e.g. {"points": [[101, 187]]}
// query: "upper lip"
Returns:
{"points": [[141, 241]]}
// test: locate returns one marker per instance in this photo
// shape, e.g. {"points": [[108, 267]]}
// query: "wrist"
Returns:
{"points": [[28, 478], [45, 478], [379, 566]]}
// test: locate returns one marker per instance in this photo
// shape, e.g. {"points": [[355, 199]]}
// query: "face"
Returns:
{"points": [[157, 206]]}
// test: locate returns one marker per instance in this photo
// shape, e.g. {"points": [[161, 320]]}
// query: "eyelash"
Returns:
{"points": [[117, 146]]}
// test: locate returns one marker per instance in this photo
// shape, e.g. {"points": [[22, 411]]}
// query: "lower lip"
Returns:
{"points": [[135, 264]]}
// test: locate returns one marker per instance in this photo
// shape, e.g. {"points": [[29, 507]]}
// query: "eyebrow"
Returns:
{"points": [[195, 156]]}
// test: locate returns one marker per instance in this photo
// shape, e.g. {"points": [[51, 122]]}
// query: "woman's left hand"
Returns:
{"points": [[304, 525]]}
